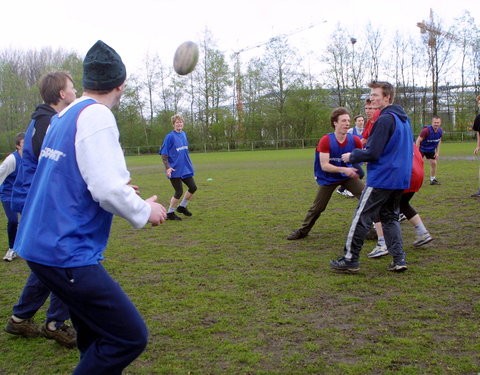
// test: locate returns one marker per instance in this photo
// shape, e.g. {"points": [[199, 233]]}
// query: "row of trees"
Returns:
{"points": [[274, 96]]}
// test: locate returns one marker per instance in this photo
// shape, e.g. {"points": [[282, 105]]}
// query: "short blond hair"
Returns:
{"points": [[177, 117]]}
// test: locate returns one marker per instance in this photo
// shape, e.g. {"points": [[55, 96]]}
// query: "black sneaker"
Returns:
{"points": [[344, 265], [26, 328], [64, 335], [296, 235], [474, 195], [184, 210], [397, 266], [434, 182], [172, 216]]}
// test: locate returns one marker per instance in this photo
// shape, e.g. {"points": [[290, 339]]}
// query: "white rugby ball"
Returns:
{"points": [[186, 58]]}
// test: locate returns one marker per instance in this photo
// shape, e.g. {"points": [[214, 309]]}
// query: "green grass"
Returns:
{"points": [[223, 292]]}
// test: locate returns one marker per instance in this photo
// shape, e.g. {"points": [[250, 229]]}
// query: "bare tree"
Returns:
{"points": [[439, 55]]}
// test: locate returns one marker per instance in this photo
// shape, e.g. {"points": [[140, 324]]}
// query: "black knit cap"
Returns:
{"points": [[103, 68]]}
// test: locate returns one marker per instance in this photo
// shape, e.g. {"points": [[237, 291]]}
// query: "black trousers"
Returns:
{"points": [[376, 203]]}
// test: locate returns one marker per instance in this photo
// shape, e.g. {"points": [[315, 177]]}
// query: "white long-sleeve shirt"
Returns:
{"points": [[102, 165], [7, 167]]}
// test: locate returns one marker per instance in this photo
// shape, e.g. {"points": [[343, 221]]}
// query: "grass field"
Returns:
{"points": [[224, 292]]}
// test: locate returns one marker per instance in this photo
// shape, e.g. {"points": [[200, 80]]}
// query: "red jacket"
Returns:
{"points": [[416, 180]]}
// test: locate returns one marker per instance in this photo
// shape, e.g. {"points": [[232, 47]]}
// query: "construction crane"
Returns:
{"points": [[237, 70]]}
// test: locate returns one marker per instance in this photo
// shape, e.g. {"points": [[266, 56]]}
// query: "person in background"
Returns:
{"points": [[57, 91], [357, 129], [476, 128], [8, 172], [330, 171], [179, 168], [428, 142]]}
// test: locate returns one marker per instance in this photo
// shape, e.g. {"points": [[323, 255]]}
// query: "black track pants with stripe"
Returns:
{"points": [[376, 203]]}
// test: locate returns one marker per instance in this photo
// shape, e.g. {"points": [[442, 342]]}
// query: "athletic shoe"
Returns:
{"points": [[402, 217], [422, 239], [397, 266], [477, 194], [184, 210], [64, 335], [172, 216], [344, 265], [26, 328], [296, 235], [378, 251], [340, 191], [434, 182], [347, 193], [10, 255]]}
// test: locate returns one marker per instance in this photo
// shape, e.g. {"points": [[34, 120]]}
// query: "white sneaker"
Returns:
{"points": [[348, 194], [402, 217], [423, 239], [10, 255], [378, 251]]}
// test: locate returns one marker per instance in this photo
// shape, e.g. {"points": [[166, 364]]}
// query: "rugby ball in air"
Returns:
{"points": [[186, 58]]}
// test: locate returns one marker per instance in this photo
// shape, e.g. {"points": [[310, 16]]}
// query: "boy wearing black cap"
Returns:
{"points": [[71, 187]]}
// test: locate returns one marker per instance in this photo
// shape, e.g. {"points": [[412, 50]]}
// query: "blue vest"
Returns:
{"points": [[175, 146], [393, 168], [7, 186], [430, 143], [61, 225], [355, 132], [336, 151], [26, 171]]}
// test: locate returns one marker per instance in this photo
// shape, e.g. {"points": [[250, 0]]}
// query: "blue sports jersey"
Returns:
{"points": [[7, 186], [336, 151], [62, 227], [175, 146], [430, 143], [393, 169], [356, 132], [25, 172]]}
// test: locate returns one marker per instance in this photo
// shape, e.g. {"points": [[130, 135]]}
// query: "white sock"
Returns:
{"points": [[184, 203], [16, 319], [432, 178], [420, 228], [381, 241], [51, 326], [170, 210]]}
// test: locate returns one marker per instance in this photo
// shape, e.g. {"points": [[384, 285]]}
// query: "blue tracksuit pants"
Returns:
{"points": [[110, 331]]}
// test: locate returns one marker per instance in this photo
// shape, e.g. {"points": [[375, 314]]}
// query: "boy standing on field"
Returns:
{"points": [[428, 142], [389, 153], [476, 128], [68, 213], [8, 172], [178, 168]]}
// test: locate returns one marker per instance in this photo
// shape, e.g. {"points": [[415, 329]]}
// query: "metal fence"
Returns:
{"points": [[274, 144]]}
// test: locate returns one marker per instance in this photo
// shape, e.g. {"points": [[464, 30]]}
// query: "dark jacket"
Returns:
{"points": [[381, 132]]}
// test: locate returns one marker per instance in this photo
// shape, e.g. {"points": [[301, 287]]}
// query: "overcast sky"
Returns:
{"points": [[137, 27]]}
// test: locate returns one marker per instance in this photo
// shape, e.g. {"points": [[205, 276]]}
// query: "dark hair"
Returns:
{"points": [[436, 117], [18, 138], [387, 89], [357, 116], [368, 101], [51, 84], [336, 113]]}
